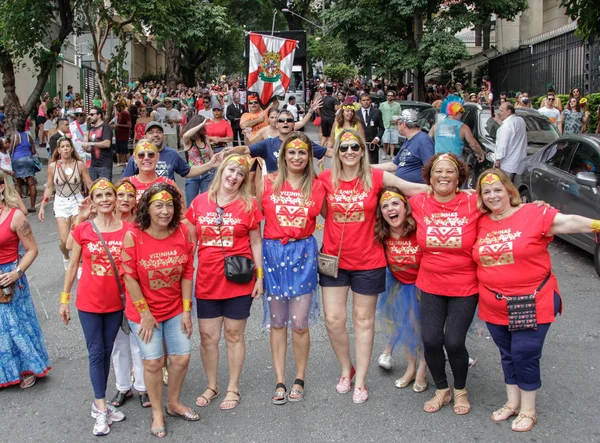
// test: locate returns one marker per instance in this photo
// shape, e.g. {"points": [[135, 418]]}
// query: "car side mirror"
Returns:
{"points": [[401, 139], [587, 179]]}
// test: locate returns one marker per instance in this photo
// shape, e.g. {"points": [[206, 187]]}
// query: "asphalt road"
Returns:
{"points": [[57, 408]]}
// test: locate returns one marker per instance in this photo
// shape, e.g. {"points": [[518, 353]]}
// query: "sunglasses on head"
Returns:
{"points": [[286, 120], [143, 154], [220, 212], [355, 147], [253, 102]]}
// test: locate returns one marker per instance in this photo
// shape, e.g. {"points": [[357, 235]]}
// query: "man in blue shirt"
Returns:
{"points": [[414, 152]]}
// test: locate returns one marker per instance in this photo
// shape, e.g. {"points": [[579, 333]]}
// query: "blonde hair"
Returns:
{"points": [[364, 172], [513, 193], [11, 198], [56, 153], [244, 191], [309, 172]]}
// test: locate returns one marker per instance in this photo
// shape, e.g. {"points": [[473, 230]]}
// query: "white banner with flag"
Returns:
{"points": [[271, 60]]}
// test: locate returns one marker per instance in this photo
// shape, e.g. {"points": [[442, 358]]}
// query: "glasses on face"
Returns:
{"points": [[253, 102], [146, 154], [206, 101], [285, 120], [355, 147], [550, 99], [92, 113], [220, 212]]}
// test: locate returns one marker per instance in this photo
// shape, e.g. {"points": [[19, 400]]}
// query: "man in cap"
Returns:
{"points": [[70, 95], [451, 134], [414, 152]]}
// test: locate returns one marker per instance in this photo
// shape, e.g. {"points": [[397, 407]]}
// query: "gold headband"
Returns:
{"points": [[388, 195], [296, 144], [344, 107], [490, 178], [445, 157], [164, 196], [126, 187], [347, 136], [145, 145], [239, 159], [102, 184]]}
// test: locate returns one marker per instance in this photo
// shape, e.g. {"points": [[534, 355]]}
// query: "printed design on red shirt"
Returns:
{"points": [[444, 230], [401, 254], [348, 206], [217, 235], [101, 265], [496, 248], [164, 268], [291, 209]]}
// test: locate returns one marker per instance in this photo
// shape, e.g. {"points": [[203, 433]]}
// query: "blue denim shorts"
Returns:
{"points": [[170, 330]]}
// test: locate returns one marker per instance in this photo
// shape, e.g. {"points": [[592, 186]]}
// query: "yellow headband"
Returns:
{"points": [[296, 144], [445, 157], [164, 196], [126, 187], [347, 136], [388, 195], [102, 184], [344, 107], [239, 159], [145, 145], [490, 178]]}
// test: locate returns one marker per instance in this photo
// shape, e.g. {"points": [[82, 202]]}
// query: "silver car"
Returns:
{"points": [[566, 174]]}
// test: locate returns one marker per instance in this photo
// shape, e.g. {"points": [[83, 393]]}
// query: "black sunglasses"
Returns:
{"points": [[286, 120], [355, 147], [253, 102], [220, 212], [144, 154], [390, 95]]}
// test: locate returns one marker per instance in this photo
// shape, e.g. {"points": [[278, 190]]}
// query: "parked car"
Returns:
{"points": [[566, 174], [540, 132]]}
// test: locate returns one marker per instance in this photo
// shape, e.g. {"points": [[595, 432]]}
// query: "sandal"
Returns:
{"points": [[165, 373], [121, 398], [145, 400], [189, 415], [500, 411], [27, 381], [438, 401], [160, 432], [461, 409], [235, 402], [420, 388], [522, 417], [280, 398], [296, 394], [206, 399]]}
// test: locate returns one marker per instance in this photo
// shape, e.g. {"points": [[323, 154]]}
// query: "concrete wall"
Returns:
{"points": [[67, 74], [554, 15]]}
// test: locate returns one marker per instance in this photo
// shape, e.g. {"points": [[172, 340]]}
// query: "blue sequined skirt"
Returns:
{"points": [[22, 347], [400, 316]]}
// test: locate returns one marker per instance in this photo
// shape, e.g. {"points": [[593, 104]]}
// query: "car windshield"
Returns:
{"points": [[539, 129]]}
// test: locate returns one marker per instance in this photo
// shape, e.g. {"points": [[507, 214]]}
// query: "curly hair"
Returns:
{"points": [[463, 171], [142, 217], [339, 118], [382, 228]]}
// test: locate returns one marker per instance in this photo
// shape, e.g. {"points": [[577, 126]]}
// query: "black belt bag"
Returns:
{"points": [[521, 309]]}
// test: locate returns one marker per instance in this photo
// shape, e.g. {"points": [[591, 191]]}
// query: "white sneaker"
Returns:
{"points": [[101, 426], [385, 361], [113, 415]]}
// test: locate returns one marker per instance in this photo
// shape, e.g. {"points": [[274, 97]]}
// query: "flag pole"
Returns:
{"points": [[273, 25]]}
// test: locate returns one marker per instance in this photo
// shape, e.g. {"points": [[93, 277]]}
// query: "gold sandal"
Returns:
{"points": [[501, 411], [458, 409], [519, 418], [438, 401]]}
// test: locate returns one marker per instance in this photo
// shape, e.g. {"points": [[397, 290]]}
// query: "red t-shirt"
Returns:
{"points": [[512, 258], [122, 133], [446, 233], [287, 215], [220, 129], [140, 187], [211, 283], [159, 266], [97, 290], [404, 257], [360, 250]]}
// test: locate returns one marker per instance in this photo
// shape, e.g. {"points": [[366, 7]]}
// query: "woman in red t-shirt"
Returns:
{"points": [[140, 125], [446, 231], [398, 306], [158, 268], [146, 157], [291, 201], [512, 259], [352, 188], [98, 300], [226, 220]]}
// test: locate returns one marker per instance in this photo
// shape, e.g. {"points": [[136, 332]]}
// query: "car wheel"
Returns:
{"points": [[597, 258], [525, 196]]}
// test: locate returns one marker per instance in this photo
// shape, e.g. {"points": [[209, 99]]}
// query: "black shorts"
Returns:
{"points": [[367, 282], [122, 147], [40, 120], [326, 126], [236, 308]]}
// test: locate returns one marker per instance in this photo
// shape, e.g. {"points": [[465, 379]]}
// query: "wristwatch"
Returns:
{"points": [[19, 272]]}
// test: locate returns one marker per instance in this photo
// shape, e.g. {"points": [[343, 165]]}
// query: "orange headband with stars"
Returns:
{"points": [[239, 159], [145, 145], [164, 196], [388, 195], [102, 185], [296, 144], [490, 178]]}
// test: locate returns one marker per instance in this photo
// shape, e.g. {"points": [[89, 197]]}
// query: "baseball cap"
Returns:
{"points": [[217, 105], [154, 125], [79, 111], [409, 116]]}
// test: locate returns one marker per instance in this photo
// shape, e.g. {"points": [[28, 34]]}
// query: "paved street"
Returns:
{"points": [[57, 409]]}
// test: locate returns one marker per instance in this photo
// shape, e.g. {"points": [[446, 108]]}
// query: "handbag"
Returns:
{"points": [[329, 264], [124, 324], [37, 163], [521, 309]]}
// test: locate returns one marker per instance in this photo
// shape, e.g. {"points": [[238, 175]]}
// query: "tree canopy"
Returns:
{"points": [[587, 14]]}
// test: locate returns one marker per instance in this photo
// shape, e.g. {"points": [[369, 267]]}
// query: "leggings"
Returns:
{"points": [[100, 331], [445, 322]]}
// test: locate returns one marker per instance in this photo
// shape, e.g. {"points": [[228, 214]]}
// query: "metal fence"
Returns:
{"points": [[564, 60], [89, 86]]}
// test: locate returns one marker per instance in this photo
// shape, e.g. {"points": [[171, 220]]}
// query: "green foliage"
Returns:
{"points": [[340, 72], [593, 105], [462, 76], [480, 72], [586, 12]]}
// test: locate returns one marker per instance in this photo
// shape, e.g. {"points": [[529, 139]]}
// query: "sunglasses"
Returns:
{"points": [[206, 101], [355, 147], [253, 102], [145, 154], [550, 99], [220, 212], [286, 120]]}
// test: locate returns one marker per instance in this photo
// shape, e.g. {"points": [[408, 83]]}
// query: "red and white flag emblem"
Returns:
{"points": [[271, 60]]}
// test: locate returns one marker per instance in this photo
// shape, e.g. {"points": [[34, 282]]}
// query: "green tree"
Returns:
{"points": [[587, 14], [340, 72]]}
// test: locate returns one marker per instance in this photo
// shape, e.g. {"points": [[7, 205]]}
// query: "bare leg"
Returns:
{"points": [[334, 307], [210, 334], [278, 351], [236, 352], [178, 366], [153, 379], [527, 408], [64, 227], [32, 190], [364, 331], [301, 342], [421, 378], [513, 395]]}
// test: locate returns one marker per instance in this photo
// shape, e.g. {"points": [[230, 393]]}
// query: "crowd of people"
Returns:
{"points": [[248, 217]]}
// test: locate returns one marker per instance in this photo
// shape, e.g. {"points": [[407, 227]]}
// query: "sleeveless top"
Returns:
{"points": [[339, 130], [9, 240], [197, 156], [67, 181], [447, 137], [23, 149]]}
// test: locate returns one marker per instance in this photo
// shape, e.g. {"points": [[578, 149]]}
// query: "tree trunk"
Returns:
{"points": [[173, 63], [12, 107]]}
